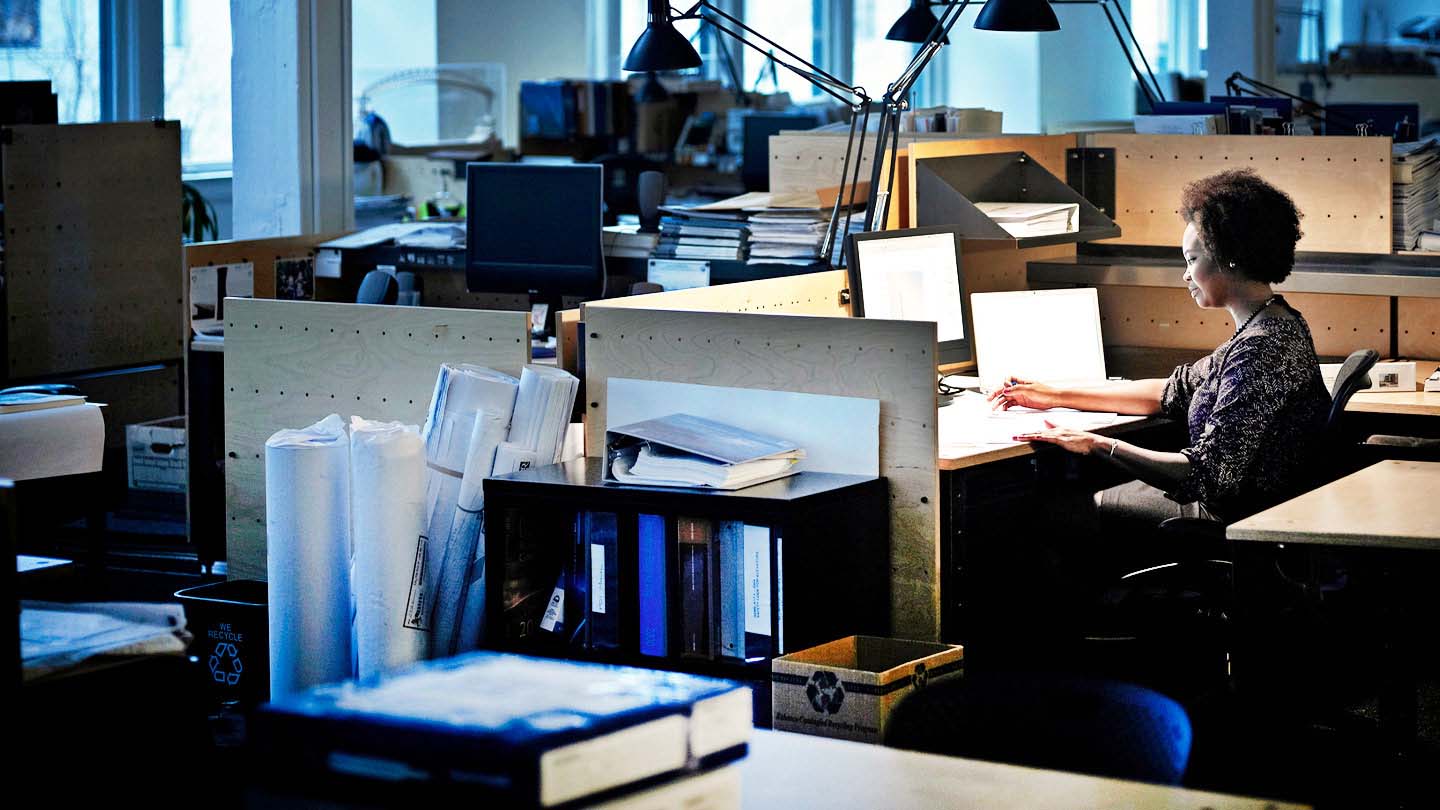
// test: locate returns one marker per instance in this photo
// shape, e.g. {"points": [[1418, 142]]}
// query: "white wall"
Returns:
{"points": [[1084, 75], [994, 69], [1240, 38], [388, 37], [534, 39]]}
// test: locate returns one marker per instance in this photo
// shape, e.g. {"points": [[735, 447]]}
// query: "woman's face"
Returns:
{"points": [[1208, 285]]}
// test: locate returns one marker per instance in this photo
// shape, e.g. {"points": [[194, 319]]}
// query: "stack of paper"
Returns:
{"points": [[22, 401], [682, 450], [1033, 219], [1415, 192], [627, 242], [688, 234]]}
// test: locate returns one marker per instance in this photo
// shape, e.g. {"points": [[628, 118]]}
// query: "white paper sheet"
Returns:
{"points": [[461, 391], [838, 434], [970, 420], [307, 521], [53, 441], [56, 637], [387, 485]]}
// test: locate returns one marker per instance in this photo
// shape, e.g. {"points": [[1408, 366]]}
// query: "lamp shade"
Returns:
{"points": [[915, 24], [1017, 15], [660, 46]]}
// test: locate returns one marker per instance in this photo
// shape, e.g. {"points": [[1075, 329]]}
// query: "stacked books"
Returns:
{"points": [[512, 731], [1033, 219], [628, 242], [688, 234], [1415, 193]]}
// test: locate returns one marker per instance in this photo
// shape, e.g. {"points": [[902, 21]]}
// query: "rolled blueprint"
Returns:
{"points": [[462, 582], [387, 516], [461, 391], [307, 522]]}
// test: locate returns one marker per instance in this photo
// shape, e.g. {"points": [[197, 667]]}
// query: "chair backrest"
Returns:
{"points": [[1106, 728], [1354, 374]]}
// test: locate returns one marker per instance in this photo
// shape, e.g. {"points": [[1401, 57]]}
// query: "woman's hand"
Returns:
{"points": [[1025, 394], [1076, 441]]}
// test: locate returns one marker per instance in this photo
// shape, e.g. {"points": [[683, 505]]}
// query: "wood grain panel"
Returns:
{"points": [[291, 363], [892, 361], [1166, 317], [1419, 331], [1340, 184], [806, 294], [92, 246]]}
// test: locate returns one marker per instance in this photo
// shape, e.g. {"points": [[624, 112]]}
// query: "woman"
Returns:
{"points": [[1255, 407]]}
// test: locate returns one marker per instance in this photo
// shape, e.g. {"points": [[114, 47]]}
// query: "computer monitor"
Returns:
{"points": [[912, 275], [1050, 336], [534, 228], [756, 129]]}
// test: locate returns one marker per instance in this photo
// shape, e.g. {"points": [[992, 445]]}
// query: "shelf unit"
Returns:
{"points": [[828, 560]]}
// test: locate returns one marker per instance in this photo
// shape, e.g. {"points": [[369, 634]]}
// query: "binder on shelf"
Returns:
{"points": [[602, 550], [693, 539], [652, 581], [682, 450], [947, 189], [731, 548], [761, 592]]}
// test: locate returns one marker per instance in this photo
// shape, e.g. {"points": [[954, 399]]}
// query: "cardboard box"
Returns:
{"points": [[1385, 376], [847, 688], [155, 454]]}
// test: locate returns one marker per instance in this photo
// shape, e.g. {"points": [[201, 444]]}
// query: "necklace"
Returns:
{"points": [[1268, 302]]}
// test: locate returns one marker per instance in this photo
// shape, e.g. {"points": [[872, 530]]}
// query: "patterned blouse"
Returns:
{"points": [[1256, 409]]}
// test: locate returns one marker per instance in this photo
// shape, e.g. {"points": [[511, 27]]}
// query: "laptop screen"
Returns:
{"points": [[1039, 335]]}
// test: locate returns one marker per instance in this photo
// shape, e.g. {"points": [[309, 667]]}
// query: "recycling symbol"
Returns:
{"points": [[825, 691], [225, 664]]}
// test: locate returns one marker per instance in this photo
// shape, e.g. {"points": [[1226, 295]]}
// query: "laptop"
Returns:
{"points": [[1049, 336]]}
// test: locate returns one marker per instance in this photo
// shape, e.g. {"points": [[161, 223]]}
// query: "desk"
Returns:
{"points": [[1393, 403], [801, 771], [1369, 539], [989, 491]]}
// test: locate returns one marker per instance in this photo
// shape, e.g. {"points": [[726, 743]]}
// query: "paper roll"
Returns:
{"points": [[307, 521], [463, 580], [387, 516], [461, 392]]}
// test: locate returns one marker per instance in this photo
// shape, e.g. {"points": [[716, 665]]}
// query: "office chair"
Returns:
{"points": [[1101, 727], [622, 182], [1184, 605]]}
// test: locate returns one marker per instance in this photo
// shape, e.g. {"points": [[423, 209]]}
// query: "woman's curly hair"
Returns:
{"points": [[1248, 226]]}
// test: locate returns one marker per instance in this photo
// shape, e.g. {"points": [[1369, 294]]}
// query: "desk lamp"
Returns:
{"points": [[658, 48], [1031, 15]]}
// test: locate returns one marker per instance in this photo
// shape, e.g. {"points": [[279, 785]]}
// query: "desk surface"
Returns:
{"points": [[1414, 403], [954, 456], [1387, 505], [801, 771]]}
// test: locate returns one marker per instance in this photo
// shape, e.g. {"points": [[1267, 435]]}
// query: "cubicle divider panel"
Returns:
{"points": [[291, 363], [892, 361], [1419, 329], [808, 294], [1167, 318], [1047, 150], [262, 254], [1340, 184], [999, 266], [92, 246]]}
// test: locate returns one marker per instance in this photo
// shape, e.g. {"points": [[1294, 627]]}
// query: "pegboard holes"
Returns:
{"points": [[332, 330]]}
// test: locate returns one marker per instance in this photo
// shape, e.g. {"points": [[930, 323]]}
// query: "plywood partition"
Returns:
{"points": [[998, 266], [92, 247], [1167, 318], [1419, 327], [806, 294], [1340, 184], [291, 363], [892, 361]]}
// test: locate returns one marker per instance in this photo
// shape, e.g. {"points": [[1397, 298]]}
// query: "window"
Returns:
{"points": [[197, 80], [879, 61], [58, 40], [792, 26]]}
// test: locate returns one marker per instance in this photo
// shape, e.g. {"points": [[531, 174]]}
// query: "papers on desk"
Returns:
{"points": [[414, 234], [58, 638], [969, 421]]}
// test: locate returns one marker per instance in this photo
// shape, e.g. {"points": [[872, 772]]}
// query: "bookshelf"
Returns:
{"points": [[824, 540]]}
